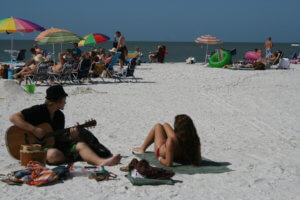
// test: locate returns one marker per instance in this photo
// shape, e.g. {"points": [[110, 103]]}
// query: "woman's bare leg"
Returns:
{"points": [[88, 155], [156, 135]]}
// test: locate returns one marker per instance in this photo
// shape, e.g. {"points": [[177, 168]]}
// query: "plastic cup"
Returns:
{"points": [[30, 88]]}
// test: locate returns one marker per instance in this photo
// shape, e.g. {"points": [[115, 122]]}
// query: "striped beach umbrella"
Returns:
{"points": [[93, 38], [208, 40], [11, 25], [57, 36], [60, 37], [49, 31]]}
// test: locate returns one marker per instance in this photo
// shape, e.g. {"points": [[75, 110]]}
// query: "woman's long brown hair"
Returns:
{"points": [[188, 138]]}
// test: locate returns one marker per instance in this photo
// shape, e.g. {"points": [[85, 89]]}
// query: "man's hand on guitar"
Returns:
{"points": [[38, 132], [73, 133]]}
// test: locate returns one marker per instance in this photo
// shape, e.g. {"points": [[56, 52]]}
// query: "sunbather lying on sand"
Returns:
{"points": [[180, 144]]}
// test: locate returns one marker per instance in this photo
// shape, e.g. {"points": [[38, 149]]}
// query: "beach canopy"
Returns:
{"points": [[93, 38], [208, 40], [12, 24]]}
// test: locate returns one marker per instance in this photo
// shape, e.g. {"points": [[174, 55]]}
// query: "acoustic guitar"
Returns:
{"points": [[15, 137]]}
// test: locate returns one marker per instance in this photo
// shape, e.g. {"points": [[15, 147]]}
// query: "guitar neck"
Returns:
{"points": [[61, 132]]}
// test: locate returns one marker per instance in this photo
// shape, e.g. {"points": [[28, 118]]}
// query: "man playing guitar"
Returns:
{"points": [[67, 146]]}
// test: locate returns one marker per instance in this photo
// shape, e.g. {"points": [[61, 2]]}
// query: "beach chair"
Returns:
{"points": [[64, 76], [67, 73], [128, 73], [21, 55], [74, 72], [40, 75], [110, 68], [276, 61]]}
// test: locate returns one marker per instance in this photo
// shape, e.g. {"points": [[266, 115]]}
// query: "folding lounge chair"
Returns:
{"points": [[21, 55], [110, 68], [64, 75], [127, 73], [276, 61], [40, 75]]}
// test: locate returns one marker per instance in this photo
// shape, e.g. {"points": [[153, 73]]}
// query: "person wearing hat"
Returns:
{"points": [[68, 146], [30, 67]]}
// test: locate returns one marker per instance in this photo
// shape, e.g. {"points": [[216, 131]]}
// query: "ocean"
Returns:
{"points": [[177, 51]]}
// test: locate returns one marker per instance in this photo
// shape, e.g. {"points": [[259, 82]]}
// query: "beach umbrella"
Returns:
{"points": [[93, 38], [49, 31], [57, 36], [208, 40], [11, 25]]}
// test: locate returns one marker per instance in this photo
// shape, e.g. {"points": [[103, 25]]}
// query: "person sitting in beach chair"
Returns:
{"points": [[181, 144], [273, 59], [64, 57], [110, 61], [84, 66], [127, 73], [70, 146], [29, 68], [139, 55], [153, 55]]}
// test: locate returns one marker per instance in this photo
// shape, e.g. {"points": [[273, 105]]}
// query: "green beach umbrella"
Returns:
{"points": [[93, 38]]}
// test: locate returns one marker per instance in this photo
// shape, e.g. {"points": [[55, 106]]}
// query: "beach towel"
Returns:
{"points": [[207, 166], [148, 181]]}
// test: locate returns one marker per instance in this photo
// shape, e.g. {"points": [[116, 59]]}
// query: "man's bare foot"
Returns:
{"points": [[112, 161], [138, 150]]}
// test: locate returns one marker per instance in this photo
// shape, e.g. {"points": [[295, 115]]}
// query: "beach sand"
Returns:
{"points": [[247, 118]]}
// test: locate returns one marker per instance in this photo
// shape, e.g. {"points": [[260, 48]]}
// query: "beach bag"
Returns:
{"points": [[284, 63], [89, 138]]}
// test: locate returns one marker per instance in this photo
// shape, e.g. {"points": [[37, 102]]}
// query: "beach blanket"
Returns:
{"points": [[207, 166]]}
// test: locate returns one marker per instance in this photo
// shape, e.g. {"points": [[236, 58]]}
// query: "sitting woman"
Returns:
{"points": [[273, 59], [180, 144], [29, 68], [63, 57], [139, 55], [153, 55]]}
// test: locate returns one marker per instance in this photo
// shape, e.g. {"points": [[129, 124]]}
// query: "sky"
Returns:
{"points": [[163, 20]]}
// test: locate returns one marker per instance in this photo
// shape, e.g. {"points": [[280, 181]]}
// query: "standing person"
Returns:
{"points": [[180, 144], [68, 146], [268, 47], [121, 47]]}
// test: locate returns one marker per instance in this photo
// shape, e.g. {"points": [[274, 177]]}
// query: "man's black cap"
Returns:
{"points": [[55, 92]]}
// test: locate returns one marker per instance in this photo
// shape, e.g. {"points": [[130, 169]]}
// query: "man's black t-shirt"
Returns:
{"points": [[38, 114]]}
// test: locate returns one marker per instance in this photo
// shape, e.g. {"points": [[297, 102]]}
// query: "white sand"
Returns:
{"points": [[247, 118]]}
